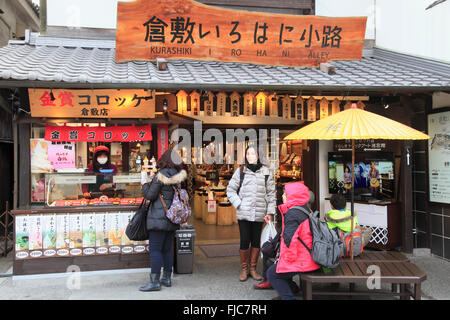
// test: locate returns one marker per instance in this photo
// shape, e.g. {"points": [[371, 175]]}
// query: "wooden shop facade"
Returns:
{"points": [[131, 100]]}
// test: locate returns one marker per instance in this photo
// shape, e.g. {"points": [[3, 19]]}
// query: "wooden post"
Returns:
{"points": [[353, 198], [24, 164], [5, 252], [406, 197]]}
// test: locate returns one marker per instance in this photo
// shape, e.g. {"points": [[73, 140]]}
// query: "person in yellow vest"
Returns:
{"points": [[339, 215]]}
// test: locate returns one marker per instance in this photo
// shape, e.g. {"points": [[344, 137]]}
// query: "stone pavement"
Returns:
{"points": [[212, 279]]}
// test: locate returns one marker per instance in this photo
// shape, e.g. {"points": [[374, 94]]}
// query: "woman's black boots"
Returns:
{"points": [[154, 284], [165, 280]]}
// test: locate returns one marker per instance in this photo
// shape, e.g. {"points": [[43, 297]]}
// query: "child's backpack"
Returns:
{"points": [[327, 247], [179, 211], [346, 238]]}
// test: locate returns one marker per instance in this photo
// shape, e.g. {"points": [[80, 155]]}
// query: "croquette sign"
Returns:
{"points": [[185, 29]]}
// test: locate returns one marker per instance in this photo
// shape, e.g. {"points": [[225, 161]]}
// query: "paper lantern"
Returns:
{"points": [[286, 107], [221, 104], [195, 103], [235, 104], [311, 116], [273, 105], [299, 108], [248, 104], [323, 106], [335, 106], [209, 110], [261, 104], [182, 102]]}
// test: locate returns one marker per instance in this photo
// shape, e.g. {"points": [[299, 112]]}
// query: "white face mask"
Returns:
{"points": [[102, 160]]}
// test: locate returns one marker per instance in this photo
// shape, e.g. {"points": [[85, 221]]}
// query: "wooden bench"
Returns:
{"points": [[394, 269]]}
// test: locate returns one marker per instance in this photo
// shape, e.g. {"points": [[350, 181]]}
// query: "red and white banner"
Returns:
{"points": [[98, 134], [163, 139]]}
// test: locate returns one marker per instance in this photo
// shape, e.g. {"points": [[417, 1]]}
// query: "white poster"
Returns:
{"points": [[439, 156]]}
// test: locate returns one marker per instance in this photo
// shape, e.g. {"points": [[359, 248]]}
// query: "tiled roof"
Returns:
{"points": [[91, 62]]}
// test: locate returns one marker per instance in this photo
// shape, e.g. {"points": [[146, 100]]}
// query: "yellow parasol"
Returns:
{"points": [[356, 124]]}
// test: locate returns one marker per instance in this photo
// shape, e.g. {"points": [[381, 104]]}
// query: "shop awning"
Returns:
{"points": [[79, 63]]}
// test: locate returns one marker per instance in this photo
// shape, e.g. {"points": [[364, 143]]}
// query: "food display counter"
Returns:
{"points": [[79, 224]]}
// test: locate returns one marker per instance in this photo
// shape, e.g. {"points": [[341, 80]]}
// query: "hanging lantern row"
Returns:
{"points": [[291, 108]]}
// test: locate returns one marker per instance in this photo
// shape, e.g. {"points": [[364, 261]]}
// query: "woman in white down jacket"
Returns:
{"points": [[254, 201]]}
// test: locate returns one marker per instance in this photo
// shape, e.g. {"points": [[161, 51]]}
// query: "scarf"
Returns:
{"points": [[254, 167]]}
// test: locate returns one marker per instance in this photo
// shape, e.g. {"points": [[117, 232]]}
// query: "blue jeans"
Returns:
{"points": [[281, 282], [161, 254]]}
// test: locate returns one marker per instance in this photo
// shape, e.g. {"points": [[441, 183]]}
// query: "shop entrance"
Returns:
{"points": [[214, 218]]}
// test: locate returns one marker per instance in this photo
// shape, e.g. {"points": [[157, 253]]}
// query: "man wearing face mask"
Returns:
{"points": [[101, 162]]}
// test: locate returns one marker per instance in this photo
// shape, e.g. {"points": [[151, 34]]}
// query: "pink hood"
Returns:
{"points": [[297, 194]]}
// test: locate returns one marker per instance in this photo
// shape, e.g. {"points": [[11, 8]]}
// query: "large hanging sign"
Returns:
{"points": [[98, 134], [62, 103], [185, 29]]}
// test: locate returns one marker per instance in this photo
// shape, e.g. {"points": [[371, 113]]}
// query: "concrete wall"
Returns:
{"points": [[82, 13], [17, 16], [349, 8], [402, 26]]}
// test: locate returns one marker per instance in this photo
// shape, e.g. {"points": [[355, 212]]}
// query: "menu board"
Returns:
{"points": [[115, 232], [89, 230], [22, 236], [62, 235], [35, 236], [101, 233], [49, 235], [127, 244], [439, 156], [74, 234]]}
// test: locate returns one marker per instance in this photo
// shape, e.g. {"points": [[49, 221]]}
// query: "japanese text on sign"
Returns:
{"points": [[187, 29], [92, 103]]}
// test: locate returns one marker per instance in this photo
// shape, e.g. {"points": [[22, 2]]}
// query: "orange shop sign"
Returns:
{"points": [[186, 29], [66, 103]]}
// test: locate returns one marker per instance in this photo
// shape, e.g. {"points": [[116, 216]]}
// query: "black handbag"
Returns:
{"points": [[137, 227], [270, 248]]}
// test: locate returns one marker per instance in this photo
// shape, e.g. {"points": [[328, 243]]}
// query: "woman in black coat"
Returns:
{"points": [[162, 230]]}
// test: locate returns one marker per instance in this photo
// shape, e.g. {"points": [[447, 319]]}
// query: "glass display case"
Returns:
{"points": [[92, 189]]}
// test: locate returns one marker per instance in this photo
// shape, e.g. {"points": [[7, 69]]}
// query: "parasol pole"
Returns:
{"points": [[353, 197]]}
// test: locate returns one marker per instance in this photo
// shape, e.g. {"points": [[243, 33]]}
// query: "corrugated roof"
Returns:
{"points": [[91, 62]]}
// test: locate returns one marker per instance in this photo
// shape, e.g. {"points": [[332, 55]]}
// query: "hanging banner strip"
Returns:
{"points": [[98, 134]]}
